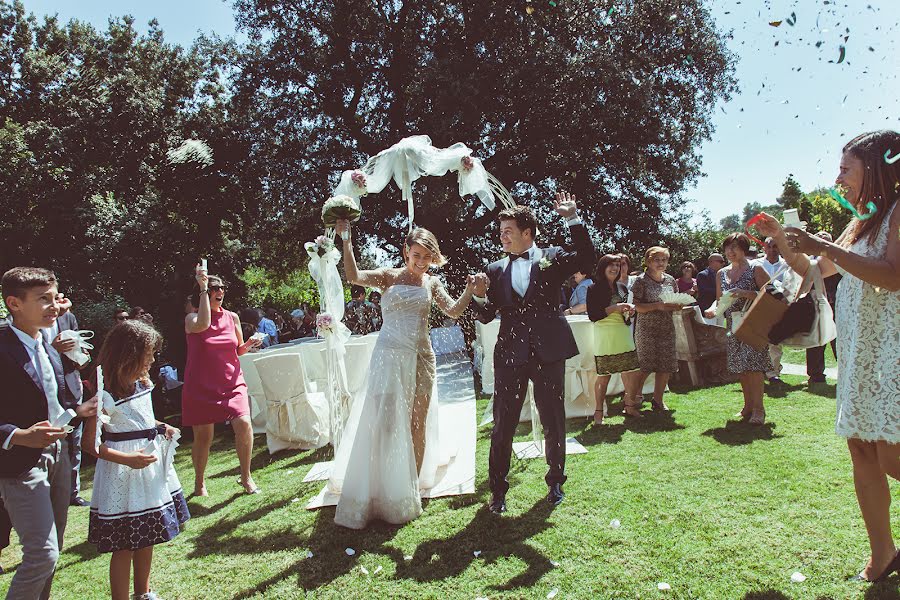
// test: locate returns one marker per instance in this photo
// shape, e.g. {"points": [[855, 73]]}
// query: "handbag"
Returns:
{"points": [[823, 328]]}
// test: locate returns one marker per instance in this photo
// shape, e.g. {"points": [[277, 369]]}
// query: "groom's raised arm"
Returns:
{"points": [[583, 257]]}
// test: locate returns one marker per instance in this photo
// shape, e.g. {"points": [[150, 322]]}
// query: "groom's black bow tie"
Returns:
{"points": [[524, 256]]}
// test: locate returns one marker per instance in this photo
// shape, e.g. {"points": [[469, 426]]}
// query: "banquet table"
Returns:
{"points": [[581, 373], [312, 355]]}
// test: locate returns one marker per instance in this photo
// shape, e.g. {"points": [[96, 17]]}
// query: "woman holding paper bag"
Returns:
{"points": [[867, 254], [743, 281], [214, 390]]}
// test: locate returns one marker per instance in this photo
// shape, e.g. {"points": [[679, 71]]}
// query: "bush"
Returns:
{"points": [[283, 293]]}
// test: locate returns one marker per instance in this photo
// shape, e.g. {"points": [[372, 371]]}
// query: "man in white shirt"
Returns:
{"points": [[772, 263]]}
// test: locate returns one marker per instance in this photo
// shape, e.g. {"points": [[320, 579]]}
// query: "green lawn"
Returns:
{"points": [[715, 508]]}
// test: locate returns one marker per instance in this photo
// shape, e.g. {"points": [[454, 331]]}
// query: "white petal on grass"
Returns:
{"points": [[350, 551], [295, 499], [375, 572], [477, 553], [663, 586], [364, 570], [408, 557], [798, 577], [309, 554], [554, 563], [615, 524], [552, 593]]}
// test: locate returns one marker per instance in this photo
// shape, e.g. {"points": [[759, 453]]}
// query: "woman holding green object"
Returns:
{"points": [[867, 254]]}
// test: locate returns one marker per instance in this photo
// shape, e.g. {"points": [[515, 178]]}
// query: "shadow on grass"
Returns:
{"points": [[496, 537], [739, 433], [826, 390], [765, 595], [781, 390], [886, 590], [198, 510]]}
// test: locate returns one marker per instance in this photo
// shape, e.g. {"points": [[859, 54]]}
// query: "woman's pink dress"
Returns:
{"points": [[214, 389]]}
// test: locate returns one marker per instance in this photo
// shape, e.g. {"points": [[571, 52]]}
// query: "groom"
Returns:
{"points": [[534, 340]]}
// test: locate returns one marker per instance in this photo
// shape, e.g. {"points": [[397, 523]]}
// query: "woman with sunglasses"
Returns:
{"points": [[214, 389]]}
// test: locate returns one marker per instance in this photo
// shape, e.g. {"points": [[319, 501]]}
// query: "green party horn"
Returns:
{"points": [[836, 194]]}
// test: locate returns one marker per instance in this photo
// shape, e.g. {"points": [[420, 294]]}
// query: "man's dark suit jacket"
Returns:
{"points": [[706, 288], [535, 321], [22, 400]]}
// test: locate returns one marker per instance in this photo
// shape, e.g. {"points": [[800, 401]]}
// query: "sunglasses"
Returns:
{"points": [[216, 288]]}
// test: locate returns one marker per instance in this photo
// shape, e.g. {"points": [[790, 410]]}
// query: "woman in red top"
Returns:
{"points": [[214, 389]]}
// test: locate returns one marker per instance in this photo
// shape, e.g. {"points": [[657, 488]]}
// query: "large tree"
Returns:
{"points": [[608, 100]]}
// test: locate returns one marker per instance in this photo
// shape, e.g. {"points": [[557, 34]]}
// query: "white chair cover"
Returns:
{"points": [[297, 417]]}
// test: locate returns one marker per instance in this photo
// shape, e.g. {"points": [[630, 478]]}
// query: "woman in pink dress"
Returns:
{"points": [[214, 389]]}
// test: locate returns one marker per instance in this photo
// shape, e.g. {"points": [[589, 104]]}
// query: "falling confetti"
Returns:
{"points": [[842, 55], [891, 159], [792, 20], [775, 23]]}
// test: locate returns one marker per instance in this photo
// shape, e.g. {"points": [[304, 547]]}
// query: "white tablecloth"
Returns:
{"points": [[581, 374], [313, 358]]}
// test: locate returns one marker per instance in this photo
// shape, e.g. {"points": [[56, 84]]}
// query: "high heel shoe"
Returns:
{"points": [[596, 420]]}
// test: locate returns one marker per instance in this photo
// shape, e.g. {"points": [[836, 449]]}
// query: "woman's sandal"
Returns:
{"points": [[254, 490], [758, 418], [600, 421], [893, 566]]}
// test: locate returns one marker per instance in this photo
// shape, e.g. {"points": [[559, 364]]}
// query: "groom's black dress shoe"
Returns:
{"points": [[555, 496], [497, 505]]}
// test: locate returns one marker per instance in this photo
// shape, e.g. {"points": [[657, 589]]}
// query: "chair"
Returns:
{"points": [[296, 416]]}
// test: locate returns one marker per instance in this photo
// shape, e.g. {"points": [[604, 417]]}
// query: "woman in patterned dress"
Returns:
{"points": [[743, 280], [614, 350], [867, 254], [655, 330]]}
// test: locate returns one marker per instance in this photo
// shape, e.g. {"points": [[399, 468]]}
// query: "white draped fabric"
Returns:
{"points": [[323, 269], [414, 157], [375, 470]]}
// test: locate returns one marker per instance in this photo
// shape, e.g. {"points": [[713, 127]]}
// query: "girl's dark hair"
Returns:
{"points": [[600, 272], [122, 355], [211, 280], [881, 180], [741, 239]]}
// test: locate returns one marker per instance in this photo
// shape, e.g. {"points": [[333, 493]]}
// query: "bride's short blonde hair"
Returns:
{"points": [[426, 239]]}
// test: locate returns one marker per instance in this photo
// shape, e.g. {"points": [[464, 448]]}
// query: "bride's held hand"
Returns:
{"points": [[343, 227], [480, 285]]}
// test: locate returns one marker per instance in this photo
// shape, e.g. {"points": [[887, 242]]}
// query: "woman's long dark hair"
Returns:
{"points": [[600, 271], [881, 182]]}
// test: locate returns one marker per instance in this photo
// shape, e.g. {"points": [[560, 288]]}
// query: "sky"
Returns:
{"points": [[796, 108]]}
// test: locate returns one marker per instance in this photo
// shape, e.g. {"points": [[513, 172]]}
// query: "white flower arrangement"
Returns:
{"points": [[321, 246], [339, 207], [325, 324], [545, 263]]}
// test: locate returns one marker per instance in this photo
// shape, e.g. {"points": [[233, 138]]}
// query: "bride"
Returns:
{"points": [[390, 450]]}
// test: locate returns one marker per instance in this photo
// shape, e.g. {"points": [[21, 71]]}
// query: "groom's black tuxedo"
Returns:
{"points": [[533, 344]]}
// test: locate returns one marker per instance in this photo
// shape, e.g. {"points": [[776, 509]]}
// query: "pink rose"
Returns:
{"points": [[468, 162], [359, 179]]}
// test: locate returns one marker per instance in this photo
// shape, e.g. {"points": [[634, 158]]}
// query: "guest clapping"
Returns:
{"points": [[655, 330], [868, 318], [214, 389], [743, 280], [614, 350]]}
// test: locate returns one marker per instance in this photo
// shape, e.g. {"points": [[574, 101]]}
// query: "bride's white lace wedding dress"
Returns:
{"points": [[375, 467]]}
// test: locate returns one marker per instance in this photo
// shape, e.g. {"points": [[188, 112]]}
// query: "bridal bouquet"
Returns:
{"points": [[325, 324], [320, 247], [339, 207]]}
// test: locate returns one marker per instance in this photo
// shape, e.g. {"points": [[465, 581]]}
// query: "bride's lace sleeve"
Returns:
{"points": [[452, 308]]}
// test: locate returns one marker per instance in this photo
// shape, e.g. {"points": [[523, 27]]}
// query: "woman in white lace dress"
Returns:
{"points": [[868, 318], [391, 450]]}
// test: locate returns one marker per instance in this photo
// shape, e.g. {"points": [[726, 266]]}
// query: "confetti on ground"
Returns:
{"points": [[309, 554], [377, 569], [553, 593], [289, 472], [407, 557], [615, 524], [364, 570], [477, 553], [663, 586], [350, 551], [554, 563], [295, 500], [798, 577]]}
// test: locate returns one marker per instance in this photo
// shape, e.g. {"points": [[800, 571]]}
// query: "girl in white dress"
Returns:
{"points": [[137, 500], [390, 450], [868, 323]]}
